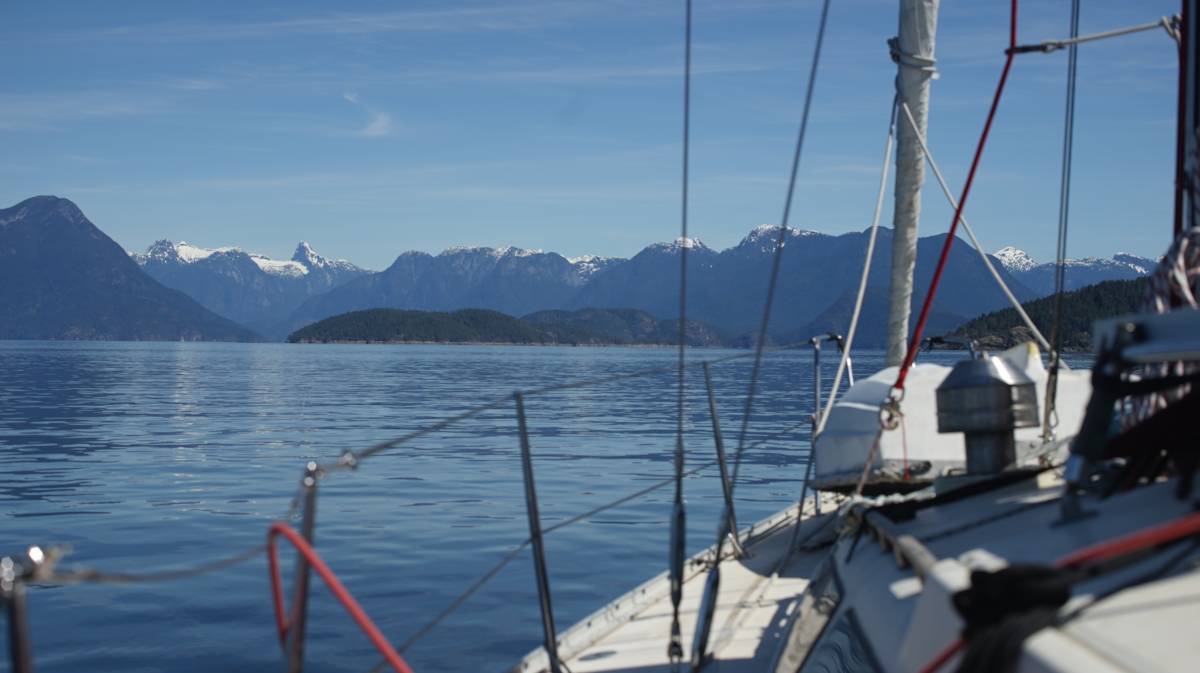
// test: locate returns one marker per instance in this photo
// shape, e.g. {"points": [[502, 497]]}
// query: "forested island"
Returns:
{"points": [[999, 329], [1082, 307], [481, 326]]}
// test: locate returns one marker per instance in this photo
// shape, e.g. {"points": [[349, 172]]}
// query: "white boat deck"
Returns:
{"points": [[757, 596], [905, 620]]}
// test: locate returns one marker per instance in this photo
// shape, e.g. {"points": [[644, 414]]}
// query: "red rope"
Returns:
{"points": [[915, 341], [944, 656], [335, 586], [1144, 539], [1185, 526]]}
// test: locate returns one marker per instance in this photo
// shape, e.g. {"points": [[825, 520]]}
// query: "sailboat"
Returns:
{"points": [[980, 517]]}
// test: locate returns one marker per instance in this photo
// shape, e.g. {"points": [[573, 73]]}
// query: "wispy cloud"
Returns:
{"points": [[47, 111], [484, 18], [86, 159], [194, 84], [379, 123]]}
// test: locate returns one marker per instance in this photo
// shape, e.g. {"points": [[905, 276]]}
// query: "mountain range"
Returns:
{"points": [[818, 278], [1077, 272], [62, 278], [247, 288], [816, 287]]}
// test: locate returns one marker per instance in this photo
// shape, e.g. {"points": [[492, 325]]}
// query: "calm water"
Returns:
{"points": [[152, 456]]}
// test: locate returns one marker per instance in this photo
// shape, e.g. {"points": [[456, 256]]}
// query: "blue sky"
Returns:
{"points": [[371, 128]]}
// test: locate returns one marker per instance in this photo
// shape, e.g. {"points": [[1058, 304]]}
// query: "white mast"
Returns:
{"points": [[913, 52]]}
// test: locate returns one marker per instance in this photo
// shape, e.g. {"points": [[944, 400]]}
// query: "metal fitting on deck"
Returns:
{"points": [[986, 399]]}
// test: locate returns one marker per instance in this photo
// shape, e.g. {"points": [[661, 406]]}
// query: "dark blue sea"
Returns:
{"points": [[153, 456]]}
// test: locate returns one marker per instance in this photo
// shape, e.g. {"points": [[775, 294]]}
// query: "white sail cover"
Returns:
{"points": [[913, 51]]}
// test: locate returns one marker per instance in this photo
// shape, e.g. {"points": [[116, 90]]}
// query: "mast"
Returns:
{"points": [[913, 52]]}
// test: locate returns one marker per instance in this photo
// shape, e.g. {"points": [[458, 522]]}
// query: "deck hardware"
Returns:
{"points": [[729, 514], [986, 399], [549, 637], [816, 342], [908, 550], [295, 643], [1087, 448], [704, 618]]}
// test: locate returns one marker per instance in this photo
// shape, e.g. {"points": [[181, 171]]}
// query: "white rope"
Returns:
{"points": [[971, 234], [866, 272]]}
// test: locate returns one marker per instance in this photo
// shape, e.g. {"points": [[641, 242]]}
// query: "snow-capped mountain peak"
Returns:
{"points": [[311, 261], [184, 252], [1136, 262], [165, 251], [491, 252], [589, 265], [1015, 259], [765, 236], [693, 244], [305, 255]]}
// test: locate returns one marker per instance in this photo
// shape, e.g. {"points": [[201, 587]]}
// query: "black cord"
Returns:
{"points": [[1064, 207]]}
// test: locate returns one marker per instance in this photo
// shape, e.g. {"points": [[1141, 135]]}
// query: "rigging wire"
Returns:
{"points": [[1050, 418], [679, 514], [915, 341], [987, 262], [780, 242], [862, 283], [1167, 23], [88, 575]]}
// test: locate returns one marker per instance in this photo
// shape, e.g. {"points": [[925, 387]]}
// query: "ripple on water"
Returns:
{"points": [[148, 456]]}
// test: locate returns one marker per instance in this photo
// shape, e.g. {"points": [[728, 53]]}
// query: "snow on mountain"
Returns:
{"points": [[496, 253], [678, 244], [764, 237], [167, 251], [248, 288], [185, 253], [191, 253], [589, 265], [279, 267], [1078, 272], [1139, 264], [303, 260], [307, 257], [1015, 259]]}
